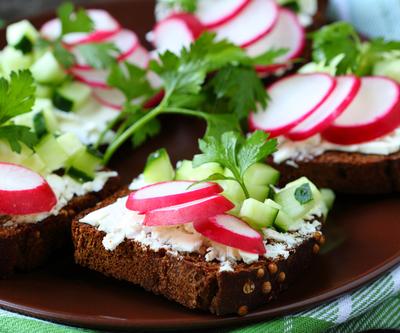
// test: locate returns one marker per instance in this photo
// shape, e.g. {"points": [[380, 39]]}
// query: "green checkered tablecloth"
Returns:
{"points": [[376, 305]]}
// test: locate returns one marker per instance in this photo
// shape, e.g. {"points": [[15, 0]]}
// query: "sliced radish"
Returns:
{"points": [[172, 193], [288, 34], [23, 191], [214, 13], [125, 41], [231, 231], [155, 100], [176, 31], [104, 27], [112, 98], [374, 112], [345, 91], [97, 78], [293, 99], [253, 23], [188, 212]]}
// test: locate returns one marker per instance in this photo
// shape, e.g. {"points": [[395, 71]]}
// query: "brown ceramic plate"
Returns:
{"points": [[362, 244]]}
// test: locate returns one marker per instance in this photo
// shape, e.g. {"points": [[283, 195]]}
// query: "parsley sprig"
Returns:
{"points": [[213, 80], [16, 97], [236, 153], [341, 41]]}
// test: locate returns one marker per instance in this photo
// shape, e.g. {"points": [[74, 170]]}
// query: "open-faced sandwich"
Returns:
{"points": [[338, 120], [215, 234]]}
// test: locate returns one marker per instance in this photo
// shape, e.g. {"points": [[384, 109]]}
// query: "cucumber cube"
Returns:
{"points": [[328, 197], [283, 221], [185, 170], [258, 192], [22, 35], [258, 214], [261, 174], [158, 167], [83, 165], [47, 70], [52, 153], [35, 163], [70, 143], [14, 60], [43, 91], [71, 96]]}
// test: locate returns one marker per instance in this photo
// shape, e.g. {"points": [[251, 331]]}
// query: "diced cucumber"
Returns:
{"points": [[389, 68], [22, 35], [70, 143], [261, 174], [43, 91], [35, 163], [52, 153], [185, 170], [298, 198], [47, 70], [233, 192], [328, 197], [258, 214], [258, 192], [14, 60], [39, 125], [158, 167], [83, 165], [283, 221], [71, 96], [44, 105], [7, 155]]}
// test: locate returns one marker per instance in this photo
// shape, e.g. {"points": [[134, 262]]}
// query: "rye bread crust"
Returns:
{"points": [[24, 247], [351, 173], [188, 279]]}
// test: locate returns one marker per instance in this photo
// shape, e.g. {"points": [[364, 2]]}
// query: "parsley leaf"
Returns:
{"points": [[16, 97], [189, 6], [131, 80], [63, 56], [74, 21], [241, 87], [235, 153], [98, 55]]}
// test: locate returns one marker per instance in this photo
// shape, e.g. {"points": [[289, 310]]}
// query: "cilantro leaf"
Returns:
{"points": [[189, 6], [16, 95], [63, 56], [98, 55], [74, 21], [131, 80], [241, 87], [269, 57], [15, 134], [334, 39], [235, 153]]}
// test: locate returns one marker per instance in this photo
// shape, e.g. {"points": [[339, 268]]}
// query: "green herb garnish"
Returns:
{"points": [[189, 6], [303, 194], [74, 21], [236, 153], [16, 97]]}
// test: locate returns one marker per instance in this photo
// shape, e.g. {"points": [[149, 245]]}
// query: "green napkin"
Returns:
{"points": [[372, 306]]}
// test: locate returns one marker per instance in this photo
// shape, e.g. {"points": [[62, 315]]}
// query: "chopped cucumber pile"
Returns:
{"points": [[283, 209]]}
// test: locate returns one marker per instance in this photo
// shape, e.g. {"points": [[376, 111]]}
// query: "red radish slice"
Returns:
{"points": [[155, 100], [23, 191], [345, 91], [231, 231], [293, 99], [112, 98], [288, 34], [97, 78], [188, 212], [104, 27], [374, 112], [176, 31], [253, 23], [125, 41], [172, 193], [215, 13]]}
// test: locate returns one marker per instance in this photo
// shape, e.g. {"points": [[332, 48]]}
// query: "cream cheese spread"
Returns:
{"points": [[290, 151], [119, 223], [65, 188]]}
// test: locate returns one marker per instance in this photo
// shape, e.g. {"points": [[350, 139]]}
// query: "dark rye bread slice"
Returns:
{"points": [[343, 172], [188, 279], [24, 247]]}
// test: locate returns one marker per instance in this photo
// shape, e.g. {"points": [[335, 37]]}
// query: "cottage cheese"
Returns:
{"points": [[65, 188], [292, 151], [120, 223]]}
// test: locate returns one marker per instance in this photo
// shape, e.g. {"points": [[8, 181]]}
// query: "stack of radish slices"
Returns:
{"points": [[23, 191], [344, 110], [179, 202], [257, 26], [106, 30]]}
